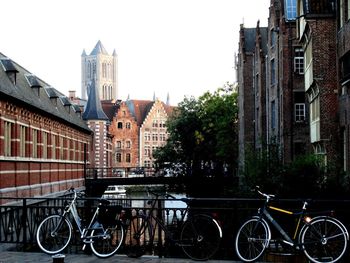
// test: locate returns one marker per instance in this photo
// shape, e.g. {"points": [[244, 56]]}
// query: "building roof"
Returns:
{"points": [[98, 49], [139, 109], [110, 107], [93, 109], [32, 92]]}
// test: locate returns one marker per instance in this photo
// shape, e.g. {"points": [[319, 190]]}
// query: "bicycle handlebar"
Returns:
{"points": [[267, 196]]}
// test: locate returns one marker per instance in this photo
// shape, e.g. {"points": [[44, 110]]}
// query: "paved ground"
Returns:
{"points": [[29, 257]]}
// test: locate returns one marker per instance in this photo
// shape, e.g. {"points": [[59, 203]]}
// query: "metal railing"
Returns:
{"points": [[20, 218]]}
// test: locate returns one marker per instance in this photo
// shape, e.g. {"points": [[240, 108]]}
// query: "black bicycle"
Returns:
{"points": [[104, 233], [199, 237], [321, 238]]}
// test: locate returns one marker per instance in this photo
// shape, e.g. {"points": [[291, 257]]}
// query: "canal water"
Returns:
{"points": [[139, 198]]}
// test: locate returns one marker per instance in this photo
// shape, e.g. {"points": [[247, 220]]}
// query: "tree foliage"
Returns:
{"points": [[203, 134]]}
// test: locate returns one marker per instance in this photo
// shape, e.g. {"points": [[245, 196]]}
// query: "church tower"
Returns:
{"points": [[101, 68]]}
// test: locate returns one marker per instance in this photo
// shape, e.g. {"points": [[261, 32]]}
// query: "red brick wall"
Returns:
{"points": [[25, 176]]}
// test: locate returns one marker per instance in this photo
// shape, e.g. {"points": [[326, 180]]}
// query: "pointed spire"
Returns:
{"points": [[154, 96], [84, 53], [128, 98], [99, 48], [114, 53], [168, 99], [93, 109]]}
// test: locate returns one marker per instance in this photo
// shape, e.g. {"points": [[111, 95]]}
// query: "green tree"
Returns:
{"points": [[203, 134]]}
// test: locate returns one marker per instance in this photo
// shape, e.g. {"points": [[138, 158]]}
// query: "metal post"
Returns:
{"points": [[58, 258]]}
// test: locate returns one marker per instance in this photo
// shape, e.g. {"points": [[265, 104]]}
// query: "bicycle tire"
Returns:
{"points": [[252, 239], [54, 234], [324, 240], [200, 237], [139, 236], [108, 241]]}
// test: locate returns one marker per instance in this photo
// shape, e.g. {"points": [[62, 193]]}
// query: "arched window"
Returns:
{"points": [[88, 72], [120, 125], [128, 157], [103, 70], [94, 70]]}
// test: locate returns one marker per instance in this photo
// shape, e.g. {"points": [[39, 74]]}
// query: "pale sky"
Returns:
{"points": [[180, 47]]}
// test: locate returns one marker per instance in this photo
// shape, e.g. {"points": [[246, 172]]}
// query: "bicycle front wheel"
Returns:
{"points": [[200, 237], [252, 239], [324, 240], [107, 240], [53, 234]]}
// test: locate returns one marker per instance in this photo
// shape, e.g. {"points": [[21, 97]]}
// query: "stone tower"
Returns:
{"points": [[101, 68]]}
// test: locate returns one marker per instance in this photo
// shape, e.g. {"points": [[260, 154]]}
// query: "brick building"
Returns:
{"points": [[96, 119], [287, 122], [343, 53], [272, 101], [43, 139], [138, 128], [245, 92], [125, 131], [317, 34]]}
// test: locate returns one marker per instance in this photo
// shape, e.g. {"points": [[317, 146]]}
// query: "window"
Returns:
{"points": [[273, 72], [128, 125], [291, 9], [299, 61], [35, 144], [273, 115], [53, 143], [147, 151], [8, 138], [299, 112], [128, 158], [147, 137], [22, 141], [308, 71], [119, 144], [44, 135], [272, 37], [118, 157], [61, 147], [120, 125], [128, 144], [154, 137], [345, 152], [315, 119]]}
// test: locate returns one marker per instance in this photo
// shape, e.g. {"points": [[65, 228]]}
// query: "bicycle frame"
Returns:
{"points": [[93, 225], [265, 215]]}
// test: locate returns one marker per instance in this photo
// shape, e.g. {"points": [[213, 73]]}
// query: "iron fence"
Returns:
{"points": [[20, 217]]}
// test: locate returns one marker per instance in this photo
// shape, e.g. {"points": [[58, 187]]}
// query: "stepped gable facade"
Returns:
{"points": [[138, 128], [43, 140]]}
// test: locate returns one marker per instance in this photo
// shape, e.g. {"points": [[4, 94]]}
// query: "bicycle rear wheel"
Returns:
{"points": [[200, 237], [53, 234], [107, 240], [324, 240], [252, 239]]}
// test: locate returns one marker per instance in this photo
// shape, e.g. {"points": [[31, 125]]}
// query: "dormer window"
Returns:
{"points": [[33, 82], [65, 102], [9, 68], [51, 93]]}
